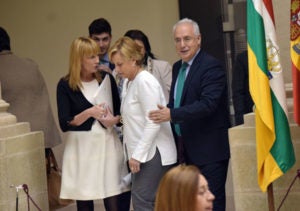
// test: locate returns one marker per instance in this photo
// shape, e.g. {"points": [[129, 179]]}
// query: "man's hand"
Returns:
{"points": [[160, 115], [103, 67]]}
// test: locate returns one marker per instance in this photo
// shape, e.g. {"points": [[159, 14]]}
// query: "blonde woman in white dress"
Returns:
{"points": [[93, 161]]}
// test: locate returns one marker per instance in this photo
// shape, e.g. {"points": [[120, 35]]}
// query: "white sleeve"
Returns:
{"points": [[149, 95]]}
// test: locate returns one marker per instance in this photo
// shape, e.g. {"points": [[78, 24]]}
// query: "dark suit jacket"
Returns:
{"points": [[242, 101], [203, 114]]}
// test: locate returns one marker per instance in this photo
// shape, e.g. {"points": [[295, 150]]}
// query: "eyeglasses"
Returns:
{"points": [[185, 40]]}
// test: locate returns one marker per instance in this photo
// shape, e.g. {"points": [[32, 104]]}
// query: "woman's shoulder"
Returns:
{"points": [[160, 62], [160, 65], [147, 78], [63, 83]]}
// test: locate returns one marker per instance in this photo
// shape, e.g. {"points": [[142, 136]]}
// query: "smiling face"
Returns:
{"points": [[186, 42], [204, 198]]}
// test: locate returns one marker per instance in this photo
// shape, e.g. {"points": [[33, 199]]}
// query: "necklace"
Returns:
{"points": [[149, 67]]}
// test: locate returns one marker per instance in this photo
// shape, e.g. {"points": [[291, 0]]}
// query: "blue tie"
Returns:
{"points": [[179, 88]]}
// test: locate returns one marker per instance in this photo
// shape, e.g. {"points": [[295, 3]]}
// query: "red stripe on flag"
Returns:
{"points": [[269, 6]]}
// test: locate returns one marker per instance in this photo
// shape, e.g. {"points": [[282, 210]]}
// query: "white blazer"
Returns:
{"points": [[141, 136]]}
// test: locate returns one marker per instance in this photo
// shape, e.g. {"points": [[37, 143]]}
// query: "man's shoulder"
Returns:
{"points": [[205, 57], [16, 58], [16, 63], [177, 63]]}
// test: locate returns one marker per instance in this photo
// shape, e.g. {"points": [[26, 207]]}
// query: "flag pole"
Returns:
{"points": [[271, 197]]}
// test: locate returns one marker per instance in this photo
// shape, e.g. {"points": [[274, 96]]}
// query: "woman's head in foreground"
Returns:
{"points": [[184, 188]]}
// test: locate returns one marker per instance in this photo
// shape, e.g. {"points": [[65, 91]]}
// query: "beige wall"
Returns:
{"points": [[282, 21], [43, 30]]}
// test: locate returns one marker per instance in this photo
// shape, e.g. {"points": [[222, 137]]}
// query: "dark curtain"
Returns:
{"points": [[208, 14]]}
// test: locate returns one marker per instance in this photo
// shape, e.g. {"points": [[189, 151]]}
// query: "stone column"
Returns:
{"points": [[22, 161]]}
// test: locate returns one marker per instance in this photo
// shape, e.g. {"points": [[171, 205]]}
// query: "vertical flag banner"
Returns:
{"points": [[295, 56], [275, 153]]}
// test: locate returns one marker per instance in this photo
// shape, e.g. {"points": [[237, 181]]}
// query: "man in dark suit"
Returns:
{"points": [[201, 118], [241, 98]]}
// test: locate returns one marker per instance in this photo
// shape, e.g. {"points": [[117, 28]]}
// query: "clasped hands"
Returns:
{"points": [[103, 67], [103, 114]]}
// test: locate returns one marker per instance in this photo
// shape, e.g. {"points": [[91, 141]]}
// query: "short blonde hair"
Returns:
{"points": [[127, 48], [80, 48], [178, 189]]}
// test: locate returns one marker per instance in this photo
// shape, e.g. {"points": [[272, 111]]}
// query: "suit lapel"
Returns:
{"points": [[176, 69], [194, 67], [175, 72]]}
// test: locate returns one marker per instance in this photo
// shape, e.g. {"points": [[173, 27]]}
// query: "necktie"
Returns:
{"points": [[179, 88]]}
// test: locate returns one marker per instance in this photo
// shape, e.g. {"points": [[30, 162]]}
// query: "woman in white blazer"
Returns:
{"points": [[150, 147], [161, 70]]}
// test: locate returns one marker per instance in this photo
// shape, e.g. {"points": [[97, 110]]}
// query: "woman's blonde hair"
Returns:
{"points": [[80, 48], [127, 48], [178, 189]]}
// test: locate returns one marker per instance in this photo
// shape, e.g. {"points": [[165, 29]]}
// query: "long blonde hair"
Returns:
{"points": [[177, 190], [80, 48]]}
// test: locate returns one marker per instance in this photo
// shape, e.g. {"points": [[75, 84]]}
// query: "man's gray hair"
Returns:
{"points": [[189, 21]]}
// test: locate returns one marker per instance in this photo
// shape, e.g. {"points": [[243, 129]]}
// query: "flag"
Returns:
{"points": [[295, 56], [275, 153]]}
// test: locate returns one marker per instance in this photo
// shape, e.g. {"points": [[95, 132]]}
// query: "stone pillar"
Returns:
{"points": [[247, 194], [22, 161]]}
